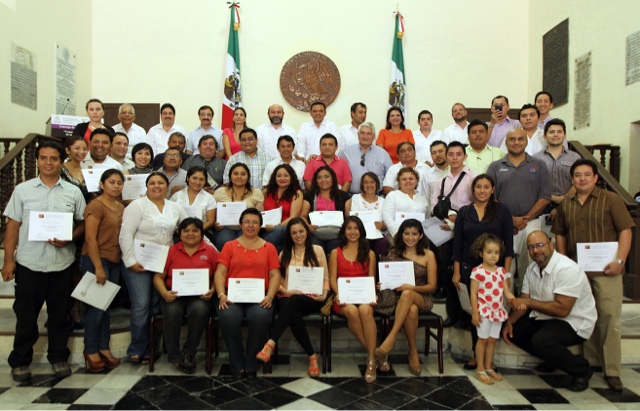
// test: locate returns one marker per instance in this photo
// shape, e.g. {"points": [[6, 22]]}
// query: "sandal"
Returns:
{"points": [[483, 377], [384, 365], [133, 359], [370, 375], [267, 350], [494, 375], [313, 370]]}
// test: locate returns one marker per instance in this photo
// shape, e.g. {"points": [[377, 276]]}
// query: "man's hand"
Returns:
{"points": [[58, 243], [175, 190], [520, 222], [8, 270], [517, 303], [507, 332], [613, 268]]}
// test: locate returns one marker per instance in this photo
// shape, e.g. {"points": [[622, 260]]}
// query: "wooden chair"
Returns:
{"points": [[338, 321]]}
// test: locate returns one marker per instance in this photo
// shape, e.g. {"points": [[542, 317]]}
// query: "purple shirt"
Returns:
{"points": [[544, 122], [500, 131]]}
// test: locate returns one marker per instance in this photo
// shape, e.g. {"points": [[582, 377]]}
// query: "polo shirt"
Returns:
{"points": [[268, 137], [423, 144], [206, 257], [456, 133], [34, 195], [520, 187], [256, 164], [376, 160], [564, 277], [391, 179], [500, 131], [600, 219], [309, 137], [535, 144], [339, 166], [479, 162], [560, 169]]}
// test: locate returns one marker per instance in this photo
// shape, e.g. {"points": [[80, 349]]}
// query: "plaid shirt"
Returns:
{"points": [[256, 164]]}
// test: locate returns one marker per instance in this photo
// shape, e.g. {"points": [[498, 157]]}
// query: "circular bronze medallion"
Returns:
{"points": [[309, 77]]}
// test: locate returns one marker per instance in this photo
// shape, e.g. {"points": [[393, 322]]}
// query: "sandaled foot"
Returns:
{"points": [[314, 369], [370, 375], [494, 375], [267, 350], [384, 365], [483, 377]]}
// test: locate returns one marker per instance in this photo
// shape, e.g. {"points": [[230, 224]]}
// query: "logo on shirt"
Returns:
{"points": [[503, 169], [181, 273], [533, 170], [204, 257]]}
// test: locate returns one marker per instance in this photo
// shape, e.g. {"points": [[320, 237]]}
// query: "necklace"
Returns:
{"points": [[298, 258]]}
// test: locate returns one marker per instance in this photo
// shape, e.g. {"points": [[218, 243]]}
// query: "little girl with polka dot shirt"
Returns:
{"points": [[488, 285]]}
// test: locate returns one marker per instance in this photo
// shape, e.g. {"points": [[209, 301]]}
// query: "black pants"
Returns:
{"points": [[33, 289], [548, 340], [290, 313], [445, 278]]}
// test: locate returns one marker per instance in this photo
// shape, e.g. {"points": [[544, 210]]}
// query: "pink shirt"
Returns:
{"points": [[339, 166], [463, 194]]}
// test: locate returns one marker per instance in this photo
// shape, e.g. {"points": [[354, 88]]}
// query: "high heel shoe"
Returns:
{"points": [[415, 370], [91, 365], [109, 362], [370, 375], [265, 354], [314, 369]]}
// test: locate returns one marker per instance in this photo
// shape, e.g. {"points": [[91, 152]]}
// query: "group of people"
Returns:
{"points": [[488, 183]]}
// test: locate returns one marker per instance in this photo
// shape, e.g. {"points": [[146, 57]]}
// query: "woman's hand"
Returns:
{"points": [[318, 297], [379, 225], [312, 227], [374, 303], [289, 292], [337, 300], [456, 278], [223, 302], [218, 226], [378, 286], [138, 268], [101, 276], [476, 320], [266, 302], [170, 296], [207, 296], [405, 287], [269, 227]]}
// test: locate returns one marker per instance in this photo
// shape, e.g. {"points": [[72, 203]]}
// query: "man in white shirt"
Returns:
{"points": [[158, 135], [436, 173], [544, 102], [348, 134], [269, 133], [529, 116], [407, 156], [286, 147], [135, 133], [310, 132], [119, 148], [458, 130], [205, 114], [424, 136], [99, 149]]}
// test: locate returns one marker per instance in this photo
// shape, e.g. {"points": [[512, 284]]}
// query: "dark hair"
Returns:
{"points": [[438, 142], [310, 259], [329, 135], [491, 209], [71, 141], [555, 122], [477, 122], [141, 146], [168, 105], [94, 100], [245, 115], [54, 145], [171, 149], [205, 108], [104, 131], [408, 170], [527, 107], [372, 176], [196, 169], [285, 138], [189, 221], [179, 134], [247, 187], [584, 162], [248, 130], [354, 106], [499, 96], [404, 143], [424, 112], [455, 143], [156, 173], [318, 103], [207, 137], [363, 243], [108, 173], [539, 93], [250, 211], [120, 133], [334, 182], [395, 108], [294, 185], [398, 245], [479, 243]]}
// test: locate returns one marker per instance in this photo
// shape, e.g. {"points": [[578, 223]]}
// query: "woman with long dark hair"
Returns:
{"points": [[231, 135], [394, 133], [282, 191]]}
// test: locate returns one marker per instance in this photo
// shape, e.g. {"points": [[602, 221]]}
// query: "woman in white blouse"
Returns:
{"points": [[405, 199], [151, 219], [195, 201], [369, 200]]}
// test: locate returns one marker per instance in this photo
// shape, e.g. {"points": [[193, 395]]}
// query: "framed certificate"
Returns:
{"points": [[307, 280], [245, 290], [151, 256], [228, 213], [186, 282], [394, 274], [357, 290], [45, 226]]}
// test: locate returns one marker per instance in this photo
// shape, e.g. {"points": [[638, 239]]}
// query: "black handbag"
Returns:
{"points": [[442, 207]]}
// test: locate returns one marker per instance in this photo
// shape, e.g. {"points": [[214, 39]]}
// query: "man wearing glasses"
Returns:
{"points": [[560, 311], [365, 157], [177, 176], [255, 159], [407, 155]]}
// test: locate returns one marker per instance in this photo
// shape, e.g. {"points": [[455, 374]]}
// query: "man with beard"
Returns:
{"points": [[269, 133], [458, 130], [205, 114], [439, 170], [348, 134]]}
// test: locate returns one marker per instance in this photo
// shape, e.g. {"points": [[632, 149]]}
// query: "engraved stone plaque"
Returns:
{"points": [[308, 77], [582, 109], [633, 58], [555, 63]]}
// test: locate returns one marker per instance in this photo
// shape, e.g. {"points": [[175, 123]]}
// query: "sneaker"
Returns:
{"points": [[21, 374], [189, 360], [61, 369]]}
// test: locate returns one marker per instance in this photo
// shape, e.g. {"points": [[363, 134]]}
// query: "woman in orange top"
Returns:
{"points": [[394, 133]]}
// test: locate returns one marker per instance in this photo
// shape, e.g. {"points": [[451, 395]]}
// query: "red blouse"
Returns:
{"points": [[271, 202]]}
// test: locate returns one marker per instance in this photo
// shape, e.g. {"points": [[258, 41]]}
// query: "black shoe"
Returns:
{"points": [[252, 375], [463, 324], [544, 368], [61, 369], [469, 366], [21, 374], [449, 322], [579, 384], [614, 383], [440, 294], [189, 360]]}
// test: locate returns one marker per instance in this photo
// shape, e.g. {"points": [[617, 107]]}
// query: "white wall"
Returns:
{"points": [[37, 25], [158, 51], [601, 28]]}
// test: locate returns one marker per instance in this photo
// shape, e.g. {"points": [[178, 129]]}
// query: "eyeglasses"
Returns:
{"points": [[362, 161], [250, 222], [537, 246], [172, 155]]}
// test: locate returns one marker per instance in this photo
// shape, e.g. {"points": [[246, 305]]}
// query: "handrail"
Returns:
{"points": [[21, 143]]}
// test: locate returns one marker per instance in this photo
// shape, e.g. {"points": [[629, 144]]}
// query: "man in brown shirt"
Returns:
{"points": [[592, 215]]}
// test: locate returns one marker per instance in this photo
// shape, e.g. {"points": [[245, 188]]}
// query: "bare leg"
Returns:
{"points": [[351, 313], [488, 352], [410, 331], [407, 299], [480, 353], [369, 328]]}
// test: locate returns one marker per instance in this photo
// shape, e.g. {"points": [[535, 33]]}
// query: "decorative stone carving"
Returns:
{"points": [[308, 77]]}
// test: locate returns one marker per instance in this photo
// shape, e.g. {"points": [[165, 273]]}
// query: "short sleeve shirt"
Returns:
{"points": [[490, 292], [206, 257], [243, 263]]}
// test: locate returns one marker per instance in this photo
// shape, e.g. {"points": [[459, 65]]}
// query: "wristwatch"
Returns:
{"points": [[621, 262]]}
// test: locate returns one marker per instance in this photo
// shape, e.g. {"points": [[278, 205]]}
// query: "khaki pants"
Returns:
{"points": [[604, 346]]}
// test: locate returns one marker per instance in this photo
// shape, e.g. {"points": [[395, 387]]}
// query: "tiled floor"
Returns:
{"points": [[132, 387]]}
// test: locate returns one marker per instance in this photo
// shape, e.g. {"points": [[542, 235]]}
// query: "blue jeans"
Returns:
{"points": [[97, 331], [276, 237], [224, 236], [144, 299], [230, 320]]}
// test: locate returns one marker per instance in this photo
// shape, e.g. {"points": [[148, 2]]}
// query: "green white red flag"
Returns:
{"points": [[232, 95], [397, 87]]}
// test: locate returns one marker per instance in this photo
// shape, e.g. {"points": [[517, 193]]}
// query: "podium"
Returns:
{"points": [[61, 125]]}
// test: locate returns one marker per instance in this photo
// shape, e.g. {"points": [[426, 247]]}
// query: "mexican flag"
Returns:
{"points": [[397, 87], [232, 95]]}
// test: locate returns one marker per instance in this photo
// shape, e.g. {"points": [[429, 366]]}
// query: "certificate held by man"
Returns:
{"points": [[395, 274], [245, 290], [150, 256], [187, 282], [434, 232], [46, 225], [92, 178], [357, 290], [307, 280], [402, 215], [229, 212], [369, 219], [327, 218], [134, 186], [594, 257]]}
